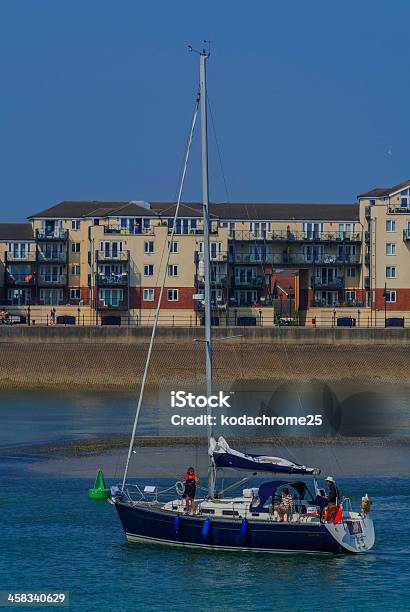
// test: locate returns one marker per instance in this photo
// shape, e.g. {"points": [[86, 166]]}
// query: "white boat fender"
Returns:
{"points": [[206, 528]]}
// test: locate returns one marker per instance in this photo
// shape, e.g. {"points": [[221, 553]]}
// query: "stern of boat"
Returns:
{"points": [[355, 533]]}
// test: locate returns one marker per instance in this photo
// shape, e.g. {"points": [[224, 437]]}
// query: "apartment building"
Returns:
{"points": [[103, 262]]}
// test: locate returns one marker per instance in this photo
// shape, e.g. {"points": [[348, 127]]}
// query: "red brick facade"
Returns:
{"points": [[184, 302], [402, 299]]}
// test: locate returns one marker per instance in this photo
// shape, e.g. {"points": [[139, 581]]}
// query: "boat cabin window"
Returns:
{"points": [[230, 513]]}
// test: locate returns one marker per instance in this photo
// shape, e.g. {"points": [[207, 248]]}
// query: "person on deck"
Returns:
{"points": [[284, 508], [191, 480], [333, 498]]}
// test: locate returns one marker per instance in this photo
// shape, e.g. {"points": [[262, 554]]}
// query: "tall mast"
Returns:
{"points": [[203, 56]]}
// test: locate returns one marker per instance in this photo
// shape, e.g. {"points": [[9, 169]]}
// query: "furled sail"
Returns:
{"points": [[226, 457]]}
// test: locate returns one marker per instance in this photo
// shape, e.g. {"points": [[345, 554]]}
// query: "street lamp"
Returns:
{"points": [[290, 301], [385, 304]]}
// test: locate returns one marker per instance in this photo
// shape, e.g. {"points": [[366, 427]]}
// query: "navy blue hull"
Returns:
{"points": [[142, 523]]}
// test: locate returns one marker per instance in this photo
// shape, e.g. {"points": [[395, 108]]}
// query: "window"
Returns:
{"points": [[18, 250], [172, 270], [405, 198], [313, 230], [172, 295], [351, 272], [350, 295], [75, 224], [173, 247], [75, 247], [231, 227], [149, 246], [110, 297], [390, 296], [390, 225], [215, 250], [259, 228], [19, 297], [148, 270], [148, 295], [390, 271], [390, 248], [372, 202], [51, 297], [75, 269], [345, 230], [75, 294], [52, 274], [183, 226]]}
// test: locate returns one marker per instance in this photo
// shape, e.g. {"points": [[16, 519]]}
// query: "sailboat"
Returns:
{"points": [[248, 521]]}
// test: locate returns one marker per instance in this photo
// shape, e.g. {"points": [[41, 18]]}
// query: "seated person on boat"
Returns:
{"points": [[284, 508]]}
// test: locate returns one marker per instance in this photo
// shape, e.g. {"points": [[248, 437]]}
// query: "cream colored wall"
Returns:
{"points": [[380, 237]]}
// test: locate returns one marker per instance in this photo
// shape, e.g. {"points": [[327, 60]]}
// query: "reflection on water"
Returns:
{"points": [[38, 416]]}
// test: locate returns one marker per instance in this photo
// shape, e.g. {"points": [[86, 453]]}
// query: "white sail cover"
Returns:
{"points": [[226, 457]]}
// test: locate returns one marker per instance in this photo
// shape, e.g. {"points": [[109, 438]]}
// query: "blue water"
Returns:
{"points": [[52, 537]]}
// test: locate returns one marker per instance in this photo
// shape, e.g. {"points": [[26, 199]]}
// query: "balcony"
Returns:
{"points": [[52, 257], [57, 234], [330, 283], [112, 255], [128, 231], [20, 257], [20, 280], [215, 280], [399, 210], [109, 280], [112, 305], [342, 304], [406, 235], [295, 237], [256, 281], [294, 259], [59, 280], [214, 257]]}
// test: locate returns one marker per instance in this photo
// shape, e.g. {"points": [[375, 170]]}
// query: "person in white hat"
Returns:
{"points": [[333, 496]]}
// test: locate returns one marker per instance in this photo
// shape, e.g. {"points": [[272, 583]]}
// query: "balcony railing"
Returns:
{"points": [[49, 281], [23, 280], [52, 257], [293, 259], [113, 255], [330, 283], [57, 234], [399, 210], [112, 305], [341, 304], [129, 231], [295, 236], [112, 279], [22, 257], [256, 281]]}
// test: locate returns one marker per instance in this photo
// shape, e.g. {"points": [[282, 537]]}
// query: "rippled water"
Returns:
{"points": [[53, 537]]}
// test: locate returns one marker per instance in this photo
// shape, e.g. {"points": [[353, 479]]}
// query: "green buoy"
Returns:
{"points": [[99, 490]]}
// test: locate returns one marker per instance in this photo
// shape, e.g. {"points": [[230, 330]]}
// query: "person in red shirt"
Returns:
{"points": [[191, 480]]}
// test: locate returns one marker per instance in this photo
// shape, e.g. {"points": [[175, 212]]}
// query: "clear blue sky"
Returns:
{"points": [[311, 100]]}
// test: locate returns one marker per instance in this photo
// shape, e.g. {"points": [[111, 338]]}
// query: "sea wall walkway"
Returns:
{"points": [[186, 335]]}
